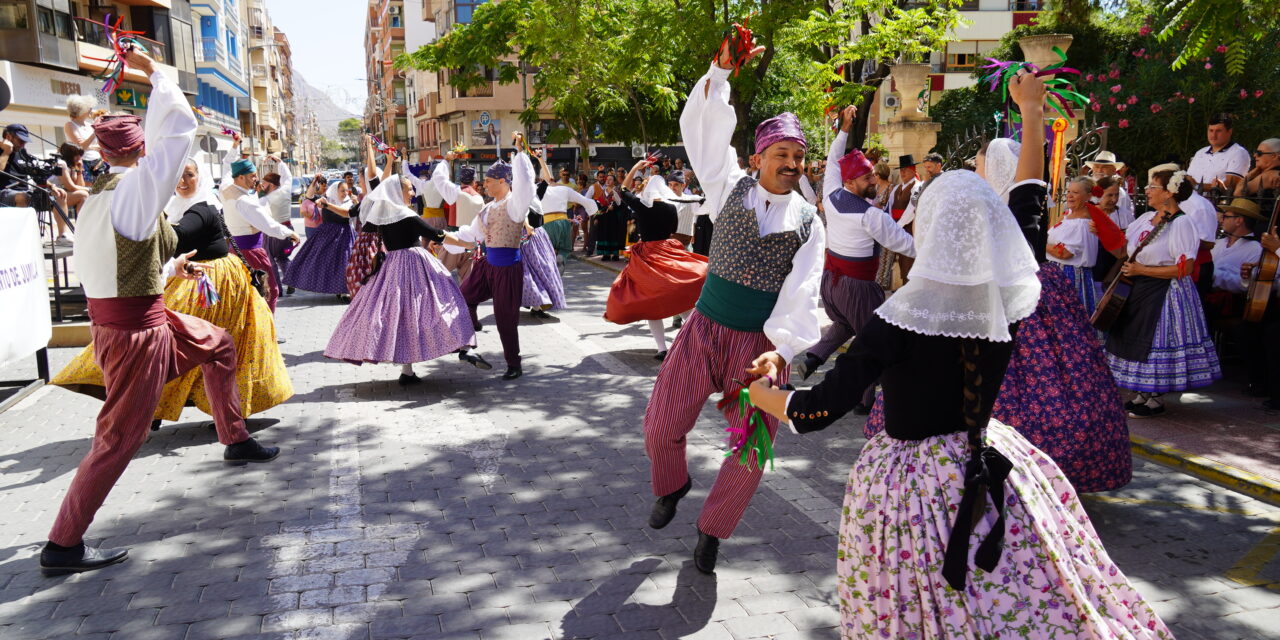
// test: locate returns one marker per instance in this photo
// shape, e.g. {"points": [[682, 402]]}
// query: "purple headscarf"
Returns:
{"points": [[499, 171], [784, 126]]}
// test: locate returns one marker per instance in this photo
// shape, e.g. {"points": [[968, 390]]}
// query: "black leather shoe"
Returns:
{"points": [[539, 313], [513, 373], [407, 380], [250, 451], [477, 327], [810, 364], [58, 561], [704, 555], [474, 359], [155, 425], [664, 508], [677, 323], [662, 355], [288, 291]]}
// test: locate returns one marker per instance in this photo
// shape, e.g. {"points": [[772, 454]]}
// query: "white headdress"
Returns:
{"points": [[386, 204], [178, 205], [331, 194], [974, 274], [1002, 165], [656, 189]]}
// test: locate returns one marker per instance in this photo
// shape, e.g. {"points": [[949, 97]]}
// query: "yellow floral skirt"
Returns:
{"points": [[260, 373]]}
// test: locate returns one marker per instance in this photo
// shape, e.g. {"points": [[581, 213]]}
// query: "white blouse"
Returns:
{"points": [[1074, 234], [1179, 239]]}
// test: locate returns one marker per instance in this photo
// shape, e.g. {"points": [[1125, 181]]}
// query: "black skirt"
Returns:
{"points": [[702, 235], [1135, 327]]}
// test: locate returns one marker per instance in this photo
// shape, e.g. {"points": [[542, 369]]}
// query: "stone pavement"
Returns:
{"points": [[472, 508]]}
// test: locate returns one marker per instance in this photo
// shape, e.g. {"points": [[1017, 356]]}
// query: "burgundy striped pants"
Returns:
{"points": [[136, 364], [705, 360]]}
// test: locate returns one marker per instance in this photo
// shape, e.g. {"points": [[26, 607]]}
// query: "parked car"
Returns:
{"points": [[299, 186]]}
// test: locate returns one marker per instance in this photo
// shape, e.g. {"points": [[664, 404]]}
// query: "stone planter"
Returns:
{"points": [[910, 80]]}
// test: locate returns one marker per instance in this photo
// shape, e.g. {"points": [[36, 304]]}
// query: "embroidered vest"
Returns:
{"points": [[746, 271], [499, 229], [111, 265], [846, 202]]}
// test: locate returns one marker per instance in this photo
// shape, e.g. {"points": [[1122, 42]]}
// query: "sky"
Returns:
{"points": [[327, 41]]}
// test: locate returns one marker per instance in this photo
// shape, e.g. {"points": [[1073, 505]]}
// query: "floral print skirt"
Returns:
{"points": [[1054, 578]]}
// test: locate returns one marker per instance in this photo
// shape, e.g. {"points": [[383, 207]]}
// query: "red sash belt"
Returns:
{"points": [[1203, 256], [897, 213], [856, 269], [128, 314]]}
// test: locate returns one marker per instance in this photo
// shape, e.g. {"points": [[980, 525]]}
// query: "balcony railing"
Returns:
{"points": [[96, 34]]}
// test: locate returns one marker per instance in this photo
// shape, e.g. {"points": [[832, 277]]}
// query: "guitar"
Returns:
{"points": [[1117, 294], [1263, 279]]}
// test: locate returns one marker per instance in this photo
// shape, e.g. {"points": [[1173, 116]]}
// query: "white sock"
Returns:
{"points": [[659, 334], [406, 370]]}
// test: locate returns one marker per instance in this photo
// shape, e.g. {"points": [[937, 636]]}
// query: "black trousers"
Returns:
{"points": [[1262, 350]]}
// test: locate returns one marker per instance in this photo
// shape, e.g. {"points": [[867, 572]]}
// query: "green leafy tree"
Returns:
{"points": [[1231, 27]]}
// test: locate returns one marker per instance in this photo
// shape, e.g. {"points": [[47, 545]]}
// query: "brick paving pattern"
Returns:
{"points": [[468, 507]]}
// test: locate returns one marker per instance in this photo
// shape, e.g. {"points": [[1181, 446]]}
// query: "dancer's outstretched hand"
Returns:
{"points": [[724, 59]]}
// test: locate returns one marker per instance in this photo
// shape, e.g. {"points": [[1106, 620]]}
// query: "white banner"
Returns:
{"points": [[25, 325]]}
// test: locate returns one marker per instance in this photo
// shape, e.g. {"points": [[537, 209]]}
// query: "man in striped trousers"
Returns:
{"points": [[761, 296]]}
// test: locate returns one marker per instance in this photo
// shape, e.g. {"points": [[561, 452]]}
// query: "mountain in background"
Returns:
{"points": [[328, 113]]}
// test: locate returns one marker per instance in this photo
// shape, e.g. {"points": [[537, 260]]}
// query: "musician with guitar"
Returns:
{"points": [[1262, 319], [1157, 339]]}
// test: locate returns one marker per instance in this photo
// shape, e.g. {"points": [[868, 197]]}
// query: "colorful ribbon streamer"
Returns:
{"points": [[206, 293], [752, 436], [1062, 94], [741, 41], [383, 147], [120, 41]]}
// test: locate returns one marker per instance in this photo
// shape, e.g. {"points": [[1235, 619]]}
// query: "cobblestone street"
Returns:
{"points": [[469, 507]]}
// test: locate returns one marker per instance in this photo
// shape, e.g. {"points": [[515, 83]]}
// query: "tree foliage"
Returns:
{"points": [[623, 67], [1211, 25]]}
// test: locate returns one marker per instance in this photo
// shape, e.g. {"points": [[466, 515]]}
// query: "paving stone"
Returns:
{"points": [[224, 628], [297, 619]]}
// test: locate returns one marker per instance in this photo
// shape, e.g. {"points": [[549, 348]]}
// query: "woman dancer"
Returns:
{"points": [[611, 221], [1072, 247], [662, 278], [1058, 391], [368, 242], [543, 288], [261, 376], [410, 310], [945, 482], [1159, 342], [320, 264]]}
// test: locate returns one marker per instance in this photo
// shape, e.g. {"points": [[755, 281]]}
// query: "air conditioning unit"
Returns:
{"points": [[891, 101], [395, 11], [637, 151]]}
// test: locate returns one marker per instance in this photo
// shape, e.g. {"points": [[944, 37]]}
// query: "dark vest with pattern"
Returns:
{"points": [[746, 270]]}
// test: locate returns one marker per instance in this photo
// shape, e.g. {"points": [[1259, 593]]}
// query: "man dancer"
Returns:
{"points": [[855, 232], [123, 254], [467, 202], [499, 274], [555, 213], [276, 191], [761, 293], [247, 218]]}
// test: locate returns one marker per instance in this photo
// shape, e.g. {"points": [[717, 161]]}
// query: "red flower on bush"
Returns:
{"points": [[1089, 77], [1139, 53], [1112, 99], [1144, 31], [1257, 93], [1124, 124], [1208, 65], [1132, 100], [1222, 48], [1191, 100], [1243, 94], [1155, 108], [1115, 73], [1096, 107], [1121, 107], [1116, 88]]}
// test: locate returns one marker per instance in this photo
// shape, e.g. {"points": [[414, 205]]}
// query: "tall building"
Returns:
{"points": [[47, 52], [386, 111], [422, 89], [222, 75]]}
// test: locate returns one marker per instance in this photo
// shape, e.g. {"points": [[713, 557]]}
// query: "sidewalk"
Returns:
{"points": [[1216, 434]]}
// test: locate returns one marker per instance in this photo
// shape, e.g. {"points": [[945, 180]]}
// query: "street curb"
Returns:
{"points": [[596, 264], [1252, 485]]}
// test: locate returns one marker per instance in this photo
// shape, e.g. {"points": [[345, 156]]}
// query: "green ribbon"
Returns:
{"points": [[758, 440]]}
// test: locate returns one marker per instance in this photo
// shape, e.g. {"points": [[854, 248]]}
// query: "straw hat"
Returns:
{"points": [[1105, 158], [1245, 207]]}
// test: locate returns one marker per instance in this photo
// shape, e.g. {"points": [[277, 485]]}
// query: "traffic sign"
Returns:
{"points": [[208, 143]]}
